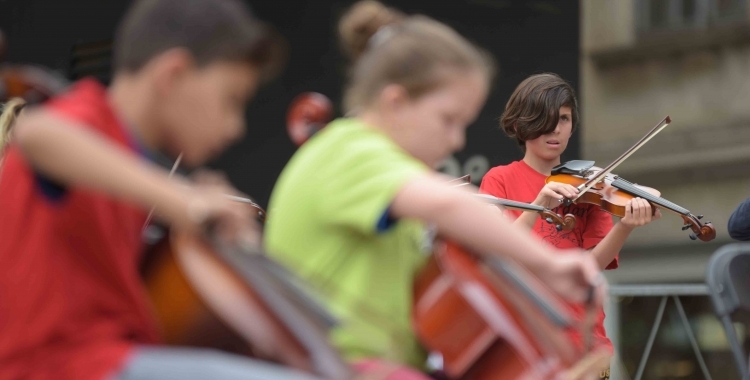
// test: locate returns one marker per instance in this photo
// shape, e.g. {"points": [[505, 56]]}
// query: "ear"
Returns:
{"points": [[170, 68], [394, 97]]}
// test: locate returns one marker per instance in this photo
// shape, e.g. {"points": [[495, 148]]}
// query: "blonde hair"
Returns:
{"points": [[11, 110], [389, 47]]}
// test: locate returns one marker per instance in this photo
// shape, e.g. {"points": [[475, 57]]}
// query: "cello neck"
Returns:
{"points": [[308, 321]]}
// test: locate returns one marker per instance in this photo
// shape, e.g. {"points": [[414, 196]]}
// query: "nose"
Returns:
{"points": [[557, 128]]}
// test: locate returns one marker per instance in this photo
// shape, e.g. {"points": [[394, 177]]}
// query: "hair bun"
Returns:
{"points": [[361, 22]]}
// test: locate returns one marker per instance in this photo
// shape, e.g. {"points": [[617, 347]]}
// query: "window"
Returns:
{"points": [[657, 16]]}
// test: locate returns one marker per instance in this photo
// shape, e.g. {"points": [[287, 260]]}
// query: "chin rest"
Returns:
{"points": [[575, 167]]}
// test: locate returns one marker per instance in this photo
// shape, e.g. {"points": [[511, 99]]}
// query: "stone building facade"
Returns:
{"points": [[640, 61]]}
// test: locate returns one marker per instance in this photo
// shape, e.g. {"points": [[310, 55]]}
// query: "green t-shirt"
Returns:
{"points": [[328, 221]]}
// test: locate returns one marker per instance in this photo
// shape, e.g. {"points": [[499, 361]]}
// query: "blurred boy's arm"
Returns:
{"points": [[71, 155]]}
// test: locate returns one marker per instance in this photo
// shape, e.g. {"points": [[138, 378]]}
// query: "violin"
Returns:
{"points": [[600, 187], [208, 293]]}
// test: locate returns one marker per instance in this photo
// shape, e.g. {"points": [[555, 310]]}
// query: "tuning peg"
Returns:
{"points": [[548, 220], [685, 227], [558, 227], [693, 237], [699, 217]]}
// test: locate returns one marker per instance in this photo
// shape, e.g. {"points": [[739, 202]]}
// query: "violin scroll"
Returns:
{"points": [[567, 222], [702, 231], [308, 114]]}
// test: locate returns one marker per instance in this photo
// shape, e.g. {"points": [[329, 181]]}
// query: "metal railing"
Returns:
{"points": [[665, 292]]}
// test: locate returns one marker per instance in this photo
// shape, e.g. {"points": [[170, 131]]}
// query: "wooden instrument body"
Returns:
{"points": [[200, 301], [607, 197], [484, 328], [238, 301]]}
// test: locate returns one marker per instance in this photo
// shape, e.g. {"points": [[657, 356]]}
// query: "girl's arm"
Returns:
{"points": [[470, 222]]}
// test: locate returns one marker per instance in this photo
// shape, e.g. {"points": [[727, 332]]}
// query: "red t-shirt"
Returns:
{"points": [[519, 182], [71, 300]]}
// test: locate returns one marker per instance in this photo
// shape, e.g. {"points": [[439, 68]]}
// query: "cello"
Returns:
{"points": [[490, 319], [209, 293]]}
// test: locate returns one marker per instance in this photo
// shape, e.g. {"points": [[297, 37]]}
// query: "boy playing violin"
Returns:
{"points": [[542, 114], [78, 180]]}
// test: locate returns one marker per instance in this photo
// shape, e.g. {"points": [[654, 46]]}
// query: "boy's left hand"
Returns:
{"points": [[638, 212]]}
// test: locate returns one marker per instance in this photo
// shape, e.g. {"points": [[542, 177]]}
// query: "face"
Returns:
{"points": [[203, 109], [550, 146], [433, 126]]}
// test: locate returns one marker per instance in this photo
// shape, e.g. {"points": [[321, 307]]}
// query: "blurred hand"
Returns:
{"points": [[573, 275], [209, 204]]}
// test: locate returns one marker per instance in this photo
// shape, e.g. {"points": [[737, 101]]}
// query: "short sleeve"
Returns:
{"points": [[598, 225], [492, 184], [369, 176]]}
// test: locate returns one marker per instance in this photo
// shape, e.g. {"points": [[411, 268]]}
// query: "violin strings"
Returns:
{"points": [[634, 190]]}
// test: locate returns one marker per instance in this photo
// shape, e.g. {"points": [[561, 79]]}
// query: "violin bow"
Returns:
{"points": [[153, 208], [567, 222], [600, 176]]}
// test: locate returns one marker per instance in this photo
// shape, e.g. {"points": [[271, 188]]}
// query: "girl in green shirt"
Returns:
{"points": [[349, 211]]}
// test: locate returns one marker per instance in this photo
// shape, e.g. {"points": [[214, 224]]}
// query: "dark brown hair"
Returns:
{"points": [[211, 30], [533, 109], [390, 47]]}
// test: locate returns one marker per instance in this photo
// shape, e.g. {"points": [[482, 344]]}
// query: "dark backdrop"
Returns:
{"points": [[525, 36]]}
